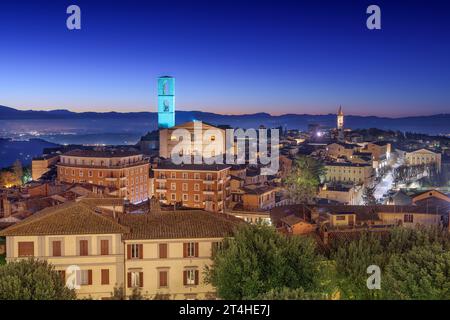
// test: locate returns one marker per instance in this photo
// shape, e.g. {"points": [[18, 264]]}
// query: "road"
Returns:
{"points": [[386, 182]]}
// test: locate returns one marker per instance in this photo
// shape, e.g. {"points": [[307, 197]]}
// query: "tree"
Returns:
{"points": [[291, 294], [421, 273], [368, 196], [32, 280], [8, 179], [303, 182], [259, 259]]}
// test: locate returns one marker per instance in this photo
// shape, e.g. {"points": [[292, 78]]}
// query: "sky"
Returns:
{"points": [[229, 57]]}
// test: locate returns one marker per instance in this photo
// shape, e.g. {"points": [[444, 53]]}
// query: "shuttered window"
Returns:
{"points": [[26, 249], [56, 248], [163, 250], [190, 277], [105, 276], [135, 279], [135, 251], [84, 251], [190, 249], [163, 277], [104, 247]]}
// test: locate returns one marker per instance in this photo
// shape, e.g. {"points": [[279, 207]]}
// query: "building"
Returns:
{"points": [[345, 194], [349, 173], [295, 225], [193, 185], [127, 171], [380, 151], [41, 165], [214, 137], [423, 156], [160, 254], [339, 150], [257, 198], [166, 102]]}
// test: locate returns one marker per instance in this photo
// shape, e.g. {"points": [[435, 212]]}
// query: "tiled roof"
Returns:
{"points": [[183, 224], [67, 218]]}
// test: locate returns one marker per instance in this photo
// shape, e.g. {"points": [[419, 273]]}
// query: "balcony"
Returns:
{"points": [[209, 181], [208, 192], [161, 190]]}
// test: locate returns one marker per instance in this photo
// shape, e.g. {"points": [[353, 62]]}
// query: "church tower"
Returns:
{"points": [[340, 119], [166, 102]]}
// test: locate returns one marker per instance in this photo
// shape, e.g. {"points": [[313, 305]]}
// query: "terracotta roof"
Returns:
{"points": [[291, 220], [67, 218], [180, 225]]}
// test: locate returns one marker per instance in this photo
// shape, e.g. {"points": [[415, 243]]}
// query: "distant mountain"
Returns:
{"points": [[434, 124]]}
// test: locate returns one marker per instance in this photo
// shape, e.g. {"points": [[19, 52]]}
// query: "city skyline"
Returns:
{"points": [[228, 59]]}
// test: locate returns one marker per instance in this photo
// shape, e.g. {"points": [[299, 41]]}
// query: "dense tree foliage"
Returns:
{"points": [[303, 182], [415, 264], [259, 263], [258, 260], [32, 280]]}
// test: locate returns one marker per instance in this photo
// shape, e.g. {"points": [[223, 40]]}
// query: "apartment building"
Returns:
{"points": [[127, 171], [379, 151], [160, 254], [194, 185], [349, 173], [423, 156]]}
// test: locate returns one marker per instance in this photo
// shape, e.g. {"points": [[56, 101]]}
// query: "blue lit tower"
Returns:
{"points": [[166, 102]]}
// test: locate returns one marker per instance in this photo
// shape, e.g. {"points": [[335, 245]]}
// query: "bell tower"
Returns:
{"points": [[166, 102]]}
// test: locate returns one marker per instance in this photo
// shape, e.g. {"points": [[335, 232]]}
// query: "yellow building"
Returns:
{"points": [[423, 156], [351, 173], [163, 253], [41, 165]]}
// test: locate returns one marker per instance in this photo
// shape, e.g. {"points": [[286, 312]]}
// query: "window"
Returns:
{"points": [[163, 250], [209, 176], [84, 277], [135, 251], [81, 173], [56, 248], [26, 249], [135, 279], [340, 218], [84, 248], [408, 218], [173, 186], [190, 277], [105, 276], [185, 187], [190, 249], [104, 247], [163, 275], [185, 175], [173, 196], [185, 197], [196, 187], [90, 173], [173, 175], [196, 175], [196, 198], [215, 247]]}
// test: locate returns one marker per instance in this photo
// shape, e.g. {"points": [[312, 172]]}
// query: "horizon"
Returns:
{"points": [[296, 58], [226, 114]]}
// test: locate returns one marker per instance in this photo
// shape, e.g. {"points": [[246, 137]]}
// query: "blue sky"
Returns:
{"points": [[228, 56]]}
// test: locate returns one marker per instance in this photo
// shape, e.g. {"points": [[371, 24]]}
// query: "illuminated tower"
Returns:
{"points": [[340, 119], [166, 102], [340, 124]]}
